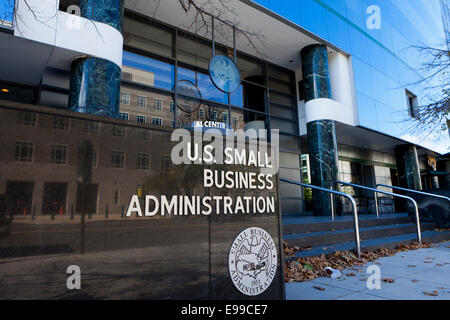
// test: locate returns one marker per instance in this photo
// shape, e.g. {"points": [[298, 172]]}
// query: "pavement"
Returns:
{"points": [[422, 274]]}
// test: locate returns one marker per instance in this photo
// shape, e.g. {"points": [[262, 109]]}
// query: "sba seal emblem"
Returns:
{"points": [[224, 74], [252, 261]]}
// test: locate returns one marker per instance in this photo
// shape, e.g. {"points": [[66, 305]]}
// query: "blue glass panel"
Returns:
{"points": [[290, 9], [367, 112], [163, 72], [338, 32], [363, 77], [6, 12], [237, 97], [392, 122], [313, 18], [205, 86]]}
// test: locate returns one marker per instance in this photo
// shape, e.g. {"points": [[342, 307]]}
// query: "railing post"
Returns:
{"points": [[332, 204], [356, 224], [72, 212], [376, 204], [419, 233], [106, 212]]}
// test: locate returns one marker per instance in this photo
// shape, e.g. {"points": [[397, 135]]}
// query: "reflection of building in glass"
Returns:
{"points": [[42, 166]]}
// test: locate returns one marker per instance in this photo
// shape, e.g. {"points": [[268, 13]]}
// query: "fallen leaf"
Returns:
{"points": [[414, 280], [430, 294], [411, 266], [429, 258], [351, 274], [388, 280], [428, 262], [319, 288], [439, 265]]}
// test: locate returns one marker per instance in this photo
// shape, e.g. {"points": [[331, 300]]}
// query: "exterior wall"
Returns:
{"points": [[383, 61]]}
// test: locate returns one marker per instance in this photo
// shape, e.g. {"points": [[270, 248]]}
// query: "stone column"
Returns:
{"points": [[95, 82], [408, 167], [322, 142]]}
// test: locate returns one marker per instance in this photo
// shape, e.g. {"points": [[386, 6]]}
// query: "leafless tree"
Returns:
{"points": [[434, 114]]}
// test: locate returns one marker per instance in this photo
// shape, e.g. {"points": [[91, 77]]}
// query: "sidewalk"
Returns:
{"points": [[416, 274]]}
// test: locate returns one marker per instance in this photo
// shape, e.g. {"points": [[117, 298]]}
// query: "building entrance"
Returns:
{"points": [[54, 201], [19, 195]]}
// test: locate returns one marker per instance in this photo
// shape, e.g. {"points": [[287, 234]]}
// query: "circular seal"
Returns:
{"points": [[252, 261], [188, 96], [224, 73]]}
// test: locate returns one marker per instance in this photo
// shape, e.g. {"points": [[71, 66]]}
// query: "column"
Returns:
{"points": [[408, 167], [95, 82], [322, 142]]}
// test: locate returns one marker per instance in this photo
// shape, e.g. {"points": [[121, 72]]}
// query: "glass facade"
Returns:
{"points": [[158, 69], [384, 62]]}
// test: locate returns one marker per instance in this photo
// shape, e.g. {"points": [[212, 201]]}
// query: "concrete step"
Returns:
{"points": [[371, 244], [322, 238], [295, 225]]}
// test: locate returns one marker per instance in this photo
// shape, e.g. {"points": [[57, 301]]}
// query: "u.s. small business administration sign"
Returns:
{"points": [[252, 261]]}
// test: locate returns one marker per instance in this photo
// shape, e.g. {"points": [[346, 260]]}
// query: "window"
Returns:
{"points": [[173, 123], [172, 106], [123, 116], [118, 159], [94, 157], [125, 98], [157, 121], [225, 117], [201, 112], [148, 71], [59, 154], [61, 123], [27, 118], [92, 127], [141, 119], [412, 104], [213, 116], [116, 197], [142, 102], [143, 161], [235, 121], [166, 163], [158, 104], [144, 134], [24, 151], [119, 131]]}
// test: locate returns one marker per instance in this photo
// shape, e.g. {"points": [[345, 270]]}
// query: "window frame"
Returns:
{"points": [[33, 145], [66, 158]]}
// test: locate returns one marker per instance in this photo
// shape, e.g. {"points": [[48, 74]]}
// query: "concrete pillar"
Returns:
{"points": [[95, 82], [408, 167], [322, 142]]}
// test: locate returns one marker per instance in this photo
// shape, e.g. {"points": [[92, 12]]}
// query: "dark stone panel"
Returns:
{"points": [[408, 166], [315, 72], [106, 11], [95, 87], [323, 160], [135, 257]]}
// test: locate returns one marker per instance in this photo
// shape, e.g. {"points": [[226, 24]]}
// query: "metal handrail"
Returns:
{"points": [[413, 191], [416, 207], [352, 200]]}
